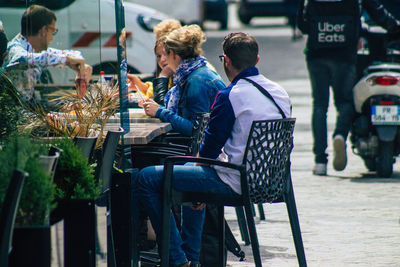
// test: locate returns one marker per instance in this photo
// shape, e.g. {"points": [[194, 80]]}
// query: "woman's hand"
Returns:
{"points": [[150, 107], [166, 72], [135, 81]]}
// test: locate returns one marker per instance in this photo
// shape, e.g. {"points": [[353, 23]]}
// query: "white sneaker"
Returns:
{"points": [[319, 169], [339, 156]]}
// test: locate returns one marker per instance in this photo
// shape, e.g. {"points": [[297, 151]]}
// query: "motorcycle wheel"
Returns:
{"points": [[370, 164], [384, 166]]}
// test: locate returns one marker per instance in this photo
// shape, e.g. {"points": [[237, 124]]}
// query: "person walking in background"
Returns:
{"points": [[196, 85], [333, 28], [29, 52], [234, 110]]}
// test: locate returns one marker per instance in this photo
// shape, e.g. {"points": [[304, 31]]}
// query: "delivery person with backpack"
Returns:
{"points": [[333, 28]]}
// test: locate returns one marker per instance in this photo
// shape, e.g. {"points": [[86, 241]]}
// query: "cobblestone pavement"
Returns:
{"points": [[348, 218]]}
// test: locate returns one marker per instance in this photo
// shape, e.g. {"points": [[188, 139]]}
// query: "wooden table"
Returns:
{"points": [[142, 130]]}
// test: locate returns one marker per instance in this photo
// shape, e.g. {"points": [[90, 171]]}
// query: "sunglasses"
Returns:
{"points": [[54, 29], [221, 58]]}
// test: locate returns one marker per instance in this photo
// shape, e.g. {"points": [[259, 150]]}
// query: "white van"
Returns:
{"points": [[89, 26]]}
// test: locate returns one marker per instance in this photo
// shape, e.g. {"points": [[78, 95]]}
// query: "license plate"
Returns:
{"points": [[385, 114]]}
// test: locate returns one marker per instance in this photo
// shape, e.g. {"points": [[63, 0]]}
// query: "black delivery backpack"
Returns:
{"points": [[332, 23]]}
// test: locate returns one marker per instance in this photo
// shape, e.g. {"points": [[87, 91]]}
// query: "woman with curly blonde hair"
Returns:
{"points": [[196, 85]]}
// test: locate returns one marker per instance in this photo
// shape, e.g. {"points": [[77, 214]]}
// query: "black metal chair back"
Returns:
{"points": [[154, 153], [199, 125], [266, 158], [8, 213], [86, 145], [264, 175], [107, 160]]}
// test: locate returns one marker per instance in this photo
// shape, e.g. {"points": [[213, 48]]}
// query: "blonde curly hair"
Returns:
{"points": [[165, 27], [185, 42]]}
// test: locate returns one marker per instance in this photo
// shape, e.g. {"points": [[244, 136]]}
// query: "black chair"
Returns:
{"points": [[265, 178], [8, 214], [86, 145], [172, 145], [105, 166], [103, 175]]}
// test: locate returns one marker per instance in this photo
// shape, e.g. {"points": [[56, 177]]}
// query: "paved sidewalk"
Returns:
{"points": [[349, 218]]}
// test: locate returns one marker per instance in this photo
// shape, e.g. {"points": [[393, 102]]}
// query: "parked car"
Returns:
{"points": [[268, 8], [89, 26]]}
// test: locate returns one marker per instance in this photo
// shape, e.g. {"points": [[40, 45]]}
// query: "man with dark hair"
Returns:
{"points": [[234, 110], [233, 47], [29, 52]]}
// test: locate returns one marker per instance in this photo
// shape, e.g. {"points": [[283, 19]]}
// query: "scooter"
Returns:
{"points": [[375, 135]]}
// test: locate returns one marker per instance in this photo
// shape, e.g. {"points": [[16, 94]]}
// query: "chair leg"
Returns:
{"points": [[221, 227], [253, 234], [165, 234], [244, 233], [261, 211], [295, 225]]}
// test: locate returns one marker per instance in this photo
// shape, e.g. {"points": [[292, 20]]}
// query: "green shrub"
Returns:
{"points": [[74, 176], [38, 191]]}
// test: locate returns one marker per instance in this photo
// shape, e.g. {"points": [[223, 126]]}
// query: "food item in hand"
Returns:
{"points": [[80, 84]]}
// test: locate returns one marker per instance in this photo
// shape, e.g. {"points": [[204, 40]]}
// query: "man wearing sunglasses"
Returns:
{"points": [[29, 52]]}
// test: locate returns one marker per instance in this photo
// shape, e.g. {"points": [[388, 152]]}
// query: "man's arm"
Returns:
{"points": [[51, 57], [301, 20], [381, 16], [219, 127]]}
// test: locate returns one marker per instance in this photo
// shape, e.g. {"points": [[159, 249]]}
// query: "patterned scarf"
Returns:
{"points": [[185, 68]]}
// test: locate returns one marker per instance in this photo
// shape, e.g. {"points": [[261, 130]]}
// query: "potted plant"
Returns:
{"points": [[31, 239], [76, 187], [76, 191]]}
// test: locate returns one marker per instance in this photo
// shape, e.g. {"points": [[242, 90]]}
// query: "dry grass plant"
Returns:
{"points": [[76, 116]]}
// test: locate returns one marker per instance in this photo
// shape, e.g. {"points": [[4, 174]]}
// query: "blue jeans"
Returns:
{"points": [[341, 76], [184, 246]]}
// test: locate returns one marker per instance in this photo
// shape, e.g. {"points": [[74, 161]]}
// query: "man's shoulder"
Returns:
{"points": [[242, 84], [18, 42]]}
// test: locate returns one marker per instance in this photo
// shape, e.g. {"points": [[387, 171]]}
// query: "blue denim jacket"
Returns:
{"points": [[198, 95]]}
